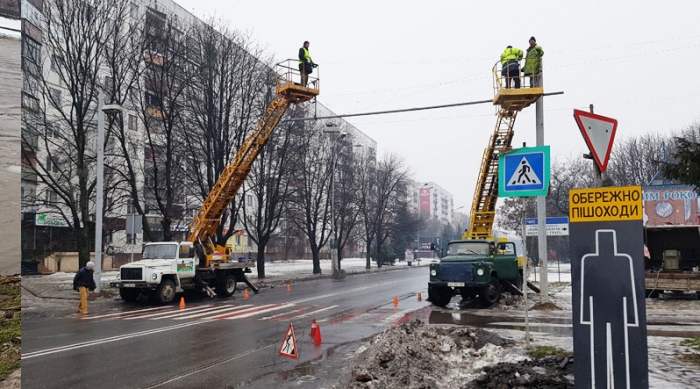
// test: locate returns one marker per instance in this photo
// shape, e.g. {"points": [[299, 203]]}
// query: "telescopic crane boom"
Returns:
{"points": [[510, 101], [206, 222]]}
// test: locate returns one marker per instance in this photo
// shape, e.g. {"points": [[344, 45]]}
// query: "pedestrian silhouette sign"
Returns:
{"points": [[524, 172]]}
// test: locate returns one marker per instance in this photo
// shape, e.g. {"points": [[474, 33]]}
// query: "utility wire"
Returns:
{"points": [[405, 109]]}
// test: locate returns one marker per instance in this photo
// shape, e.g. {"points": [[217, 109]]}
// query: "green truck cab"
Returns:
{"points": [[475, 268]]}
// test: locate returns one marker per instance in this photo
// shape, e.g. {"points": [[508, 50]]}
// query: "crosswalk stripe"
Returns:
{"points": [[315, 312], [167, 312], [281, 314], [253, 312], [124, 313], [218, 311]]}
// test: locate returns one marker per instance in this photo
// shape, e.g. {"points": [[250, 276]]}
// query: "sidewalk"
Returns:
{"points": [[60, 285]]}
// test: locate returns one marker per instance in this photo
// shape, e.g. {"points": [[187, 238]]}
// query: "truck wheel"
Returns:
{"points": [[491, 293], [440, 296], [129, 295], [226, 286], [165, 292]]}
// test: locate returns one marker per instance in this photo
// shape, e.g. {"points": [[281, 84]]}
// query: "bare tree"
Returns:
{"points": [[378, 190], [309, 206], [270, 185], [632, 160], [228, 87], [59, 119], [346, 210]]}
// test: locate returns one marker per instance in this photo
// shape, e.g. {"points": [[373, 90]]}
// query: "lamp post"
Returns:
{"points": [[99, 189]]}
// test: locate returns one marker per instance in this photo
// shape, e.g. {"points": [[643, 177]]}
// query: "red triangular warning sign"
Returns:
{"points": [[289, 345], [599, 133]]}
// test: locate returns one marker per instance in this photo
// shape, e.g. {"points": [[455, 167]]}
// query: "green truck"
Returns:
{"points": [[475, 269]]}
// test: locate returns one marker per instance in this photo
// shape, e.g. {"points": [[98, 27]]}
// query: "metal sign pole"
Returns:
{"points": [[525, 278]]}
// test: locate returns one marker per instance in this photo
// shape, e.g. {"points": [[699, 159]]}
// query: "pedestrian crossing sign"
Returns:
{"points": [[289, 345], [524, 172]]}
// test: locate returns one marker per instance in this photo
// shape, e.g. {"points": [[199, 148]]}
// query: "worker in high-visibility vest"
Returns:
{"points": [[306, 65], [533, 63], [510, 65]]}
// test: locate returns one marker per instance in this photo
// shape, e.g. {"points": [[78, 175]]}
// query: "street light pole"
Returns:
{"points": [[99, 187]]}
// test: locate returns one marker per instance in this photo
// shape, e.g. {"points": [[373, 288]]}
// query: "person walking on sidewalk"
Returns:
{"points": [[84, 281]]}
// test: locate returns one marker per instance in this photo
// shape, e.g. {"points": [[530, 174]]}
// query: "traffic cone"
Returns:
{"points": [[420, 298], [314, 327], [396, 301], [289, 287], [317, 335], [245, 293], [182, 303]]}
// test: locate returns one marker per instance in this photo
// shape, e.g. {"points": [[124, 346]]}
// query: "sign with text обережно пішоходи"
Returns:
{"points": [[605, 204]]}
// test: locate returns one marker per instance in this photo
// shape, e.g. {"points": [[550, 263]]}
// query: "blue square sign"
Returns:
{"points": [[524, 172]]}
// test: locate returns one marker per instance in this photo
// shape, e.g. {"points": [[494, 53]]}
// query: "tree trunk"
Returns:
{"points": [[369, 256], [260, 262], [316, 260]]}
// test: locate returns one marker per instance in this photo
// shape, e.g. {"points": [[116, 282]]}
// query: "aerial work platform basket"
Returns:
{"points": [[515, 99], [289, 82]]}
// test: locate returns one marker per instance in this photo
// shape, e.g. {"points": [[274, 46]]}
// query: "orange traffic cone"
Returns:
{"points": [[396, 301], [245, 293], [317, 335], [314, 327], [420, 298], [182, 303], [289, 287]]}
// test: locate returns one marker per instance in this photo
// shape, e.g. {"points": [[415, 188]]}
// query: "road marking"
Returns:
{"points": [[170, 312], [253, 312], [124, 313], [313, 312], [218, 310], [111, 339]]}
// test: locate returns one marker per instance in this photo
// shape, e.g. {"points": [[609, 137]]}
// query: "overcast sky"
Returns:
{"points": [[635, 61]]}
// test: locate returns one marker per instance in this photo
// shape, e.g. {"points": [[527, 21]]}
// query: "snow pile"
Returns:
{"points": [[414, 355]]}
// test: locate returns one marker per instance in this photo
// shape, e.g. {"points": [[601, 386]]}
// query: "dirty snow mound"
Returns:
{"points": [[545, 373], [415, 355], [548, 306]]}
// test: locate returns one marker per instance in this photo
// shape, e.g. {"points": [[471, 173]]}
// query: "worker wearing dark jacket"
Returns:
{"points": [[306, 65], [510, 65], [84, 281]]}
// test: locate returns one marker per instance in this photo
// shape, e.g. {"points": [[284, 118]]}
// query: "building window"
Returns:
{"points": [[132, 122], [51, 197], [32, 50], [108, 88], [249, 200], [51, 166], [30, 103], [134, 11], [153, 100], [52, 130], [130, 238], [56, 63], [55, 96]]}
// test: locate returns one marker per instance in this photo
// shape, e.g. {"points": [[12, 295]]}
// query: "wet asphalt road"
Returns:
{"points": [[218, 343]]}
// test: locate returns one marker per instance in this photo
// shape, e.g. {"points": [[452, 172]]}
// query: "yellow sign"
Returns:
{"points": [[615, 203]]}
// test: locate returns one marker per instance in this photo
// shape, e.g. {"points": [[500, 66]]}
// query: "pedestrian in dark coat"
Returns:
{"points": [[82, 282]]}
